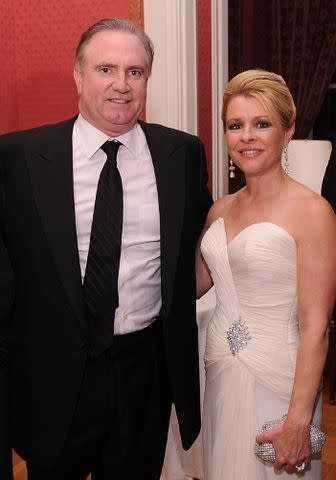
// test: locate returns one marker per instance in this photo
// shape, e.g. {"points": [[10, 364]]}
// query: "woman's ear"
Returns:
{"points": [[289, 134]]}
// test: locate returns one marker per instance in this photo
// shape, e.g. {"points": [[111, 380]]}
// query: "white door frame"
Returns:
{"points": [[172, 90]]}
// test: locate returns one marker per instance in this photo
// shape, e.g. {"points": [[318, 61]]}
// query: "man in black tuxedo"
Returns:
{"points": [[97, 343]]}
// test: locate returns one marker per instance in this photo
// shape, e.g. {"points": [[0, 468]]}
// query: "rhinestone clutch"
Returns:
{"points": [[266, 452]]}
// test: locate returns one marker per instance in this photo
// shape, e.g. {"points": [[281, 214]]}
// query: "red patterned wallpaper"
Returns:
{"points": [[37, 43], [205, 79]]}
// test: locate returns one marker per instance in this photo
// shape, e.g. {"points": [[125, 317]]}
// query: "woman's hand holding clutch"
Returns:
{"points": [[291, 442]]}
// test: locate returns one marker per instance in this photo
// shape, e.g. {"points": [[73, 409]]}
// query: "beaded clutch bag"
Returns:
{"points": [[266, 452]]}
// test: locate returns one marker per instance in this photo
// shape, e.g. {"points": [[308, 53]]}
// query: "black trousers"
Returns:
{"points": [[120, 424]]}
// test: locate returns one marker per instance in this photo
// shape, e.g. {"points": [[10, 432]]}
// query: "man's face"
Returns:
{"points": [[112, 82]]}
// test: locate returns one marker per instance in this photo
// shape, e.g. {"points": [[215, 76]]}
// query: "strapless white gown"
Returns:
{"points": [[255, 280]]}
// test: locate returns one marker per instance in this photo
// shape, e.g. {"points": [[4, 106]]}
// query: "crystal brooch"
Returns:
{"points": [[238, 336]]}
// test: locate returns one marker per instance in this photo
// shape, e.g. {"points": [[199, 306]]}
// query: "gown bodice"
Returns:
{"points": [[255, 279]]}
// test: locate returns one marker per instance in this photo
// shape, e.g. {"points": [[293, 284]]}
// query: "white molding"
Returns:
{"points": [[220, 62], [172, 88]]}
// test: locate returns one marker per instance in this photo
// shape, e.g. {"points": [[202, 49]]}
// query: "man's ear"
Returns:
{"points": [[78, 76]]}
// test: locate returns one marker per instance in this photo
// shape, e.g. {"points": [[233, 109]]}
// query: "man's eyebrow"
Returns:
{"points": [[137, 67], [128, 67], [105, 64]]}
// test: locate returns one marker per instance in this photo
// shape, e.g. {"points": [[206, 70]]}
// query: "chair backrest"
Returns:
{"points": [[308, 160]]}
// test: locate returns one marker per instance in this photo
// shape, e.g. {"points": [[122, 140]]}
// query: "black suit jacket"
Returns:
{"points": [[43, 331]]}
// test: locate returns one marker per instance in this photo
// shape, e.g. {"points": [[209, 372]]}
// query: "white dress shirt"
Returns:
{"points": [[139, 281]]}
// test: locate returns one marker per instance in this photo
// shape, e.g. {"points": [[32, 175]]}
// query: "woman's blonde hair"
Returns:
{"points": [[268, 88]]}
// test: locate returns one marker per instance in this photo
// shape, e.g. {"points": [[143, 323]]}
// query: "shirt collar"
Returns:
{"points": [[92, 138]]}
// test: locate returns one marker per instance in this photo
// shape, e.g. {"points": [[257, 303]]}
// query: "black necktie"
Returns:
{"points": [[102, 268]]}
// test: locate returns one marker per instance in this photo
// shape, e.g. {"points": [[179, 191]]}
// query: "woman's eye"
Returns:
{"points": [[234, 126], [263, 124]]}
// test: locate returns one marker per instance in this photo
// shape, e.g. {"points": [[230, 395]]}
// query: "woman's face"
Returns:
{"points": [[255, 141]]}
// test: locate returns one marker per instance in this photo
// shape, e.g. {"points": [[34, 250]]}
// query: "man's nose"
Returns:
{"points": [[120, 82]]}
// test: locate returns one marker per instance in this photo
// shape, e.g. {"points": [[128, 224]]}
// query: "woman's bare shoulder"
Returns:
{"points": [[220, 208], [311, 212], [308, 201]]}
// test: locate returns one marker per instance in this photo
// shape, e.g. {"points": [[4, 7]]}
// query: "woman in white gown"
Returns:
{"points": [[269, 249]]}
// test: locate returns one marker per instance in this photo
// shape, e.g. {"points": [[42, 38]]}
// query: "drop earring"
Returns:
{"points": [[285, 162], [232, 168]]}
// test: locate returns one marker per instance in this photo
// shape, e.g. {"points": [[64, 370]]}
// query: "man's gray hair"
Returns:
{"points": [[114, 24]]}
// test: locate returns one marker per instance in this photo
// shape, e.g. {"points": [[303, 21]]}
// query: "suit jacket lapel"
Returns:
{"points": [[51, 173], [169, 170]]}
